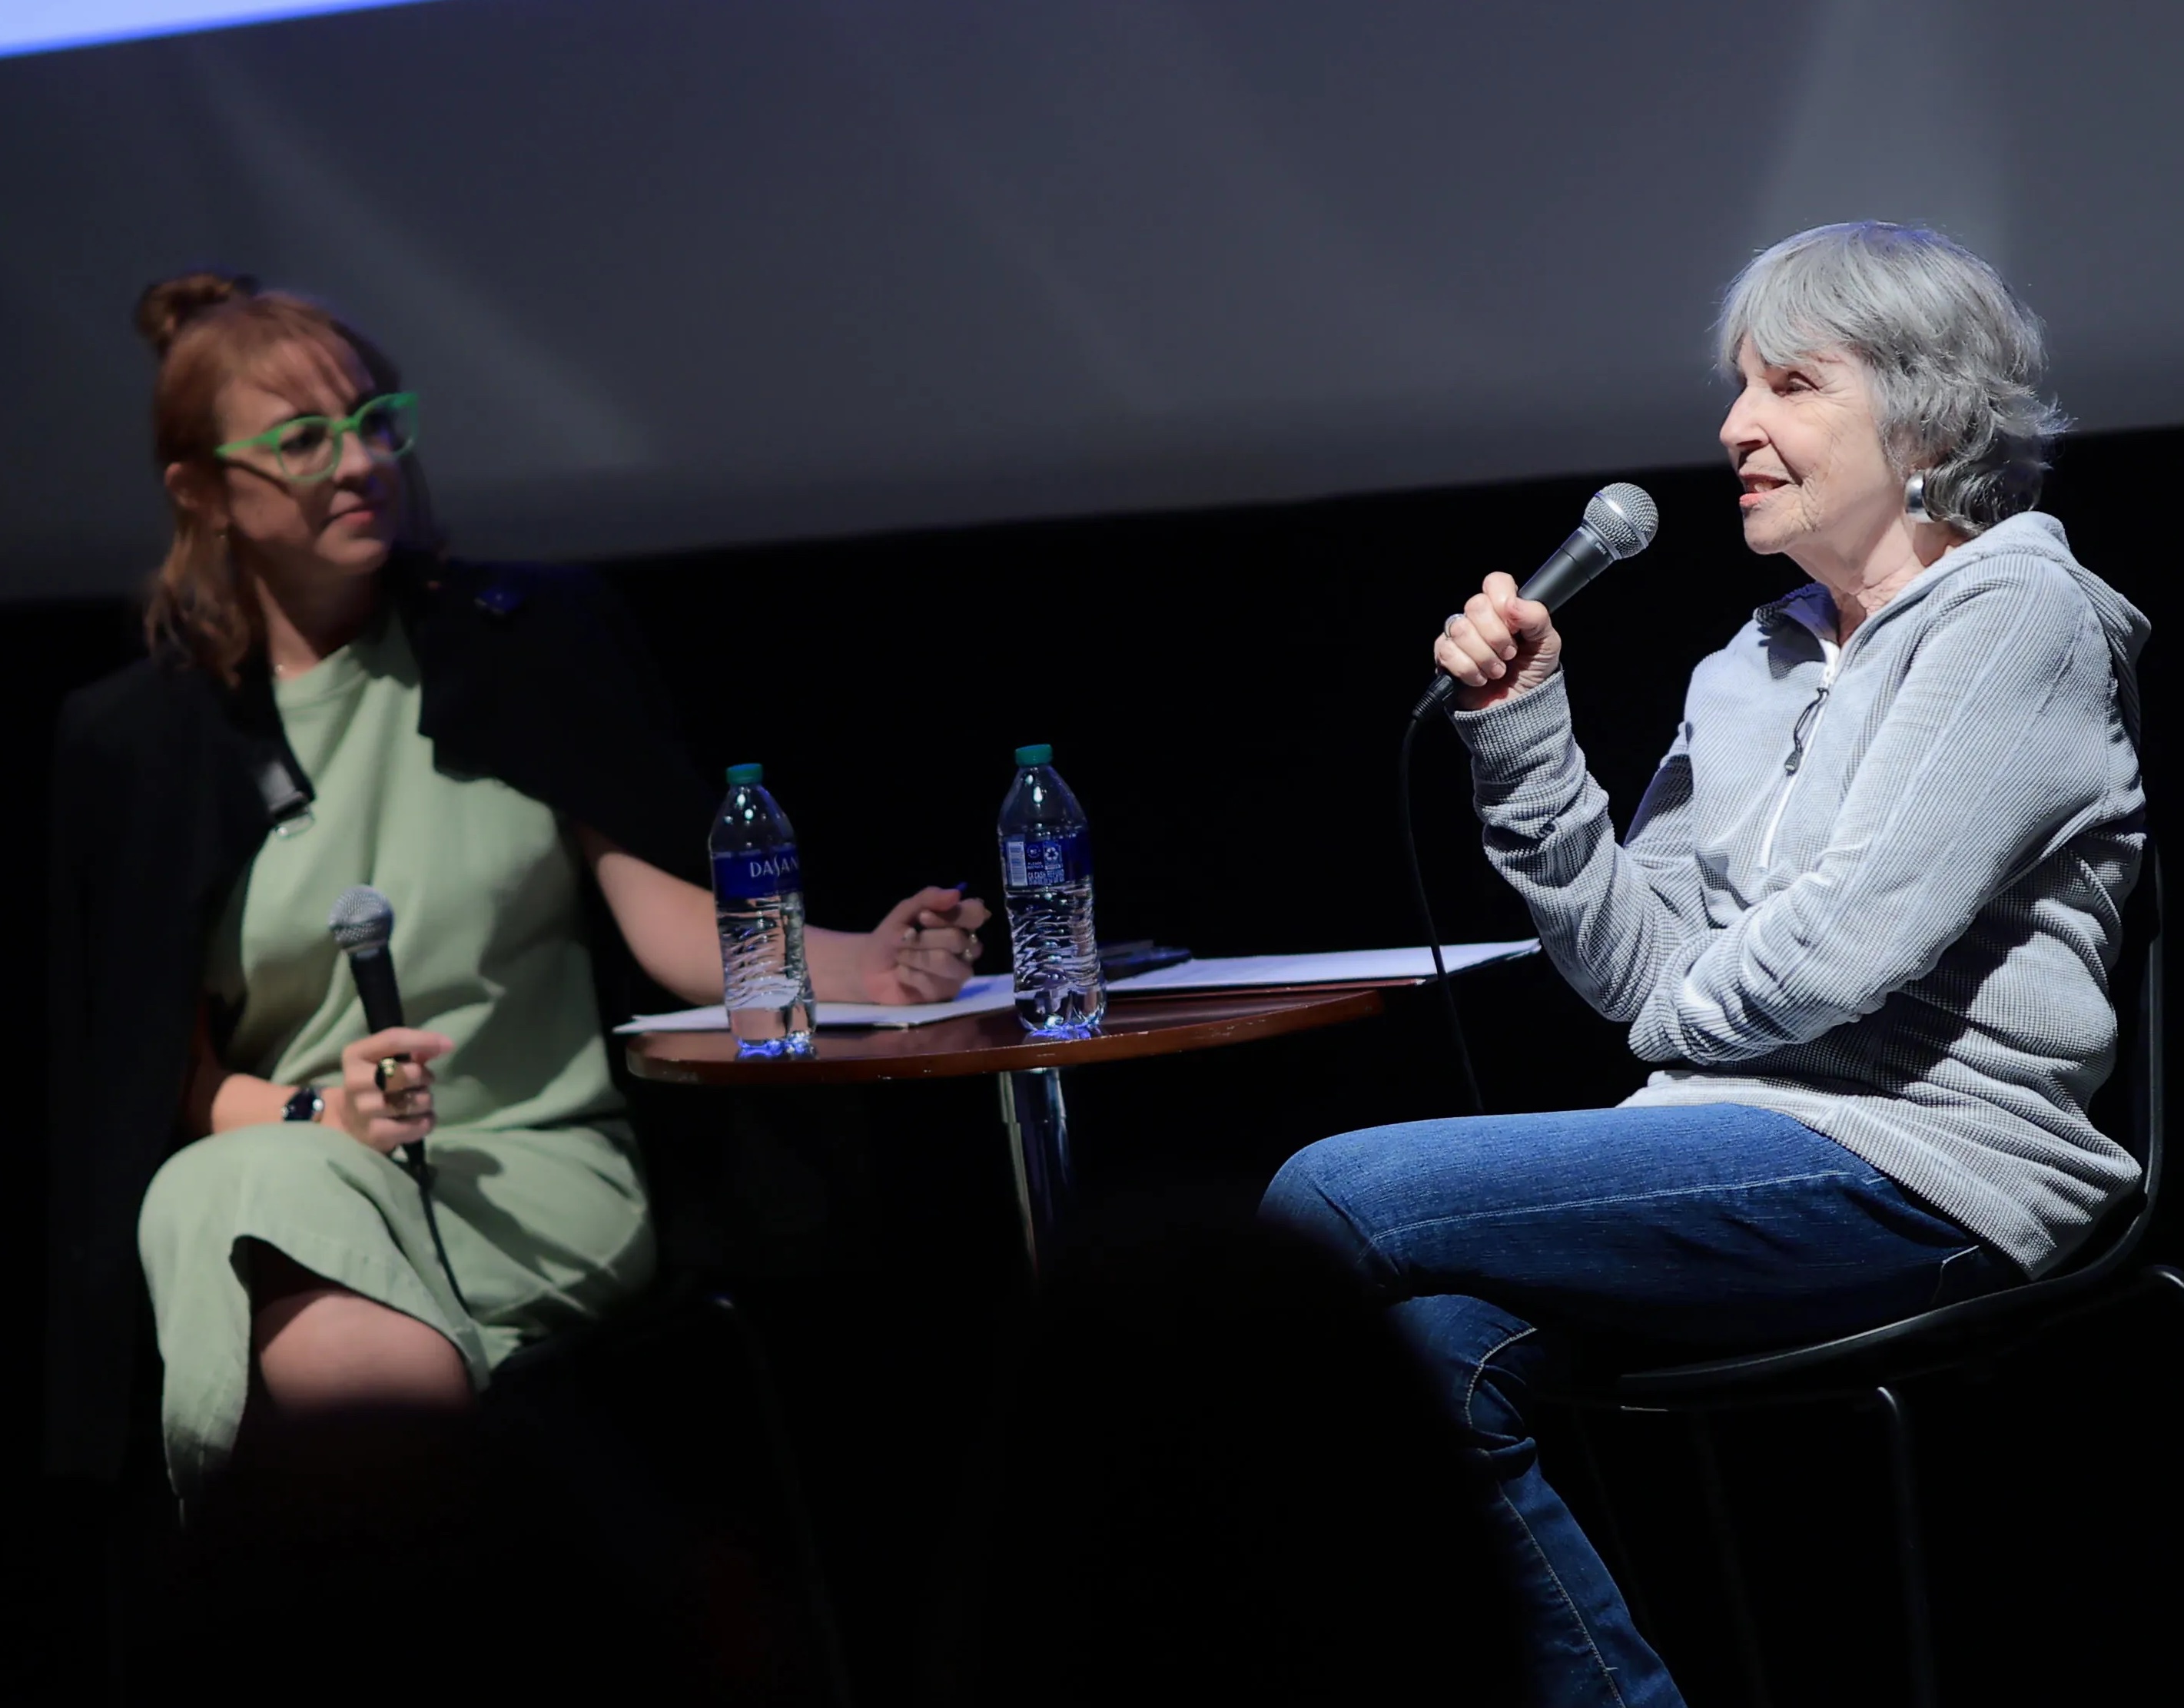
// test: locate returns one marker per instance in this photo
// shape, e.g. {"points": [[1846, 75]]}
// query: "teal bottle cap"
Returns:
{"points": [[1038, 754], [740, 777]]}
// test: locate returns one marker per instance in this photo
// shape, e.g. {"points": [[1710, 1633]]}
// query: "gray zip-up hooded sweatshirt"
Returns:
{"points": [[1875, 886]]}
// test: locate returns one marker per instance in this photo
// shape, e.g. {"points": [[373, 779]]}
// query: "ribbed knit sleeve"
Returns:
{"points": [[1613, 917]]}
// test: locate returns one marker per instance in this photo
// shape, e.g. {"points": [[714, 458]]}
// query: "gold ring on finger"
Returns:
{"points": [[390, 1067]]}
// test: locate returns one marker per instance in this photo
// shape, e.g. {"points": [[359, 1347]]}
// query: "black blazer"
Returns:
{"points": [[165, 783]]}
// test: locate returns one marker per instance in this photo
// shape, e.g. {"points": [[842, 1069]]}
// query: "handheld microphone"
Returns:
{"points": [[1620, 522], [362, 922]]}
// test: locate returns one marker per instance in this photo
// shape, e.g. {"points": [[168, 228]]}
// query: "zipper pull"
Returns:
{"points": [[1806, 719]]}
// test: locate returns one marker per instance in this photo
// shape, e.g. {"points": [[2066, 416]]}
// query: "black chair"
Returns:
{"points": [[2111, 1271]]}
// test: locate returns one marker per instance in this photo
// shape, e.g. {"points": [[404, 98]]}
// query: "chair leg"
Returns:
{"points": [[1910, 1551], [1732, 1564], [819, 1603], [1611, 1530]]}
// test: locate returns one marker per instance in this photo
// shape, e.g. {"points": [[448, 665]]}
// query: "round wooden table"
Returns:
{"points": [[1026, 1068]]}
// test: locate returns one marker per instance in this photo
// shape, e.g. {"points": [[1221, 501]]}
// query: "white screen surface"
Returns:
{"points": [[674, 274], [42, 26]]}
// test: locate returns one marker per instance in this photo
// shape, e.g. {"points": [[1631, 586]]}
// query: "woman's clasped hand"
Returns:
{"points": [[924, 949]]}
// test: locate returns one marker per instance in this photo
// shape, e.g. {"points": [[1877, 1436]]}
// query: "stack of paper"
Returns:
{"points": [[992, 991]]}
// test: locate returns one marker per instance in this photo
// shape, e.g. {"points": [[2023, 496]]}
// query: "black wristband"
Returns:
{"points": [[307, 1104]]}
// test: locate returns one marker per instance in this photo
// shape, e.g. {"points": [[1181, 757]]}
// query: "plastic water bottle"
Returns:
{"points": [[758, 900], [1046, 878]]}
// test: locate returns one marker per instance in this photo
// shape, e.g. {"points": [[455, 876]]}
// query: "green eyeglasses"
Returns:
{"points": [[309, 447]]}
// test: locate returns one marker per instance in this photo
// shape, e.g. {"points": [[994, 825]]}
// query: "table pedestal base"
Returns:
{"points": [[1039, 1151]]}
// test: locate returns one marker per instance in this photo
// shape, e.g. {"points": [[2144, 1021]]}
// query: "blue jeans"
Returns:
{"points": [[1501, 1242]]}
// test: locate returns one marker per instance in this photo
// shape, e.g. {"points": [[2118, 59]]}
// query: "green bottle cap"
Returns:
{"points": [[1038, 754], [741, 776]]}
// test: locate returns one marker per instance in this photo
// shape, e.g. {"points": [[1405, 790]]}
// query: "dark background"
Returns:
{"points": [[1224, 691]]}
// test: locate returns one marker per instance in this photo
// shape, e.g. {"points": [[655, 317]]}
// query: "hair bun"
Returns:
{"points": [[169, 305]]}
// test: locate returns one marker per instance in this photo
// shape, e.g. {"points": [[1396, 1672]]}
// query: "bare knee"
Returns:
{"points": [[319, 1346]]}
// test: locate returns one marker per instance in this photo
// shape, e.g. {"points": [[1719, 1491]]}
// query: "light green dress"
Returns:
{"points": [[541, 1201]]}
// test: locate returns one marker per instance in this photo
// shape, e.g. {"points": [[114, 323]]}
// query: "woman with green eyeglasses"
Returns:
{"points": [[329, 701]]}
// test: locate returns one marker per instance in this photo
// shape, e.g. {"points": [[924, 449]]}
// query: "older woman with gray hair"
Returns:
{"points": [[1862, 921]]}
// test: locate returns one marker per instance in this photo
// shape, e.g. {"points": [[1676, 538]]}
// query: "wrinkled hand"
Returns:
{"points": [[923, 950], [400, 1115], [1498, 645]]}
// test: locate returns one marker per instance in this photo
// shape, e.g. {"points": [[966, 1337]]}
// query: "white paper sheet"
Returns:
{"points": [[1346, 966], [992, 991]]}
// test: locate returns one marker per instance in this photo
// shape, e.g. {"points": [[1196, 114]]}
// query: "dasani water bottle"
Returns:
{"points": [[1046, 878], [758, 900]]}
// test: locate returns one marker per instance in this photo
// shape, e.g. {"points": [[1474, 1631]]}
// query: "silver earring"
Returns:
{"points": [[1915, 498]]}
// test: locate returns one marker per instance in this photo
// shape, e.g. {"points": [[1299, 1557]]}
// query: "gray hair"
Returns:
{"points": [[1951, 355]]}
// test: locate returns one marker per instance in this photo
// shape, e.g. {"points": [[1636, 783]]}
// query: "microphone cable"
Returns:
{"points": [[413, 1164], [1419, 900], [1620, 521]]}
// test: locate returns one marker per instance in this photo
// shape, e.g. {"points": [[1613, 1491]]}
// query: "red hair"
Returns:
{"points": [[208, 329]]}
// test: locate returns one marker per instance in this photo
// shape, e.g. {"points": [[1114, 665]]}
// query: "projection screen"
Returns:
{"points": [[668, 273]]}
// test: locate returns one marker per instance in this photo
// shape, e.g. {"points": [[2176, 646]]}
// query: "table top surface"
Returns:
{"points": [[995, 1041]]}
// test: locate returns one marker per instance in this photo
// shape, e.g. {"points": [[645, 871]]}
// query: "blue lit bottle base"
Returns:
{"points": [[763, 1034], [756, 1049], [1042, 1020]]}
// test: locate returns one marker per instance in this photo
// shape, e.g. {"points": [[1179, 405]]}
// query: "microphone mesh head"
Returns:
{"points": [[362, 918], [1624, 517]]}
